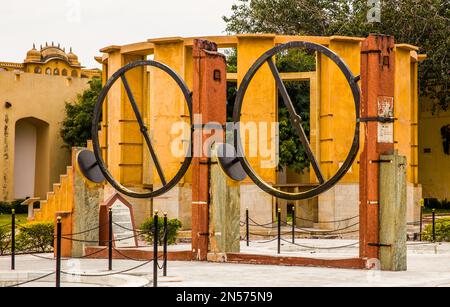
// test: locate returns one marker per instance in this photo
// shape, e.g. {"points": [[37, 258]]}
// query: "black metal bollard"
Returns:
{"points": [[58, 252], [294, 218], [279, 231], [166, 237], [247, 226], [434, 224], [110, 241], [155, 249], [13, 239], [421, 223]]}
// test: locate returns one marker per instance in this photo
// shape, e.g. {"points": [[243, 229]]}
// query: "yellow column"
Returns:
{"points": [[113, 115], [403, 107], [167, 104], [131, 137], [124, 139], [337, 109], [260, 103]]}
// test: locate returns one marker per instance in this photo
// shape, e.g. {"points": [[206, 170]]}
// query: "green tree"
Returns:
{"points": [[423, 23], [76, 127]]}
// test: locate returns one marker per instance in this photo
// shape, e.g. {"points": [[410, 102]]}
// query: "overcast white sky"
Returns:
{"points": [[88, 25]]}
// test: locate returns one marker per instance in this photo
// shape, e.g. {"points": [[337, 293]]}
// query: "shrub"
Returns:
{"points": [[5, 207], [5, 240], [173, 226], [442, 231], [433, 203], [35, 237]]}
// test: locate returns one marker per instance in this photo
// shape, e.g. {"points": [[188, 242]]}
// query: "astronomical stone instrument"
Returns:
{"points": [[297, 121], [166, 185], [235, 165]]}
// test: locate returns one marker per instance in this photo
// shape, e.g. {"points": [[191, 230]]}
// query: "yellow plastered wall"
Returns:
{"points": [[59, 200], [40, 100], [434, 163]]}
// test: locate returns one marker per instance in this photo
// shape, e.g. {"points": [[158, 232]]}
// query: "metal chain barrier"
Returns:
{"points": [[30, 281], [321, 248], [107, 274]]}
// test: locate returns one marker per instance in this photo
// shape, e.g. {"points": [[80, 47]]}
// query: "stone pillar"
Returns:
{"points": [[87, 197], [393, 252], [224, 212]]}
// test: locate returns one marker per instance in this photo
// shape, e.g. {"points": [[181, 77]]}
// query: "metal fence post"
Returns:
{"points": [[110, 242], [294, 220], [13, 239], [434, 224], [58, 252], [155, 249], [166, 237], [279, 231], [421, 223], [247, 226]]}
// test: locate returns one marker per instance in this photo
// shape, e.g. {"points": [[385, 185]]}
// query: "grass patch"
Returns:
{"points": [[5, 219], [429, 212]]}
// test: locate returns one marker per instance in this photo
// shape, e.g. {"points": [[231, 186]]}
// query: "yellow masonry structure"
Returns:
{"points": [[332, 120]]}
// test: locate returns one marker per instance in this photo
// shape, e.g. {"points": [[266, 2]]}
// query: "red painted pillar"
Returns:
{"points": [[209, 102], [377, 101]]}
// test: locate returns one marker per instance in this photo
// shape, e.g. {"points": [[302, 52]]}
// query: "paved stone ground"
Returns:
{"points": [[429, 265]]}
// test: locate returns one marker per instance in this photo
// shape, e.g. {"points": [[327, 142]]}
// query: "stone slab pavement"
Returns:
{"points": [[428, 265]]}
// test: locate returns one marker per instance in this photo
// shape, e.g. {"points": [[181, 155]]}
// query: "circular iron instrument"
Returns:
{"points": [[167, 185], [89, 166], [296, 120]]}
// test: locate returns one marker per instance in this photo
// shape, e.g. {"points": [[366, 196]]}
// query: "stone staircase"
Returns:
{"points": [[59, 200]]}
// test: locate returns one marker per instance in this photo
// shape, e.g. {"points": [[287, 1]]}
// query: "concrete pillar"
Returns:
{"points": [[87, 197], [393, 252], [224, 212]]}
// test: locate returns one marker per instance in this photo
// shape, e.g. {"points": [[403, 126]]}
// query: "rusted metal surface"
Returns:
{"points": [[377, 84], [209, 100], [354, 263]]}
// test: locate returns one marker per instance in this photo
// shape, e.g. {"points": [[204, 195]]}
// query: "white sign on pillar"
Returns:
{"points": [[386, 110], [123, 233]]}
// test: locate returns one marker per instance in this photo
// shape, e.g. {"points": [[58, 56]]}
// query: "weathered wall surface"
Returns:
{"points": [[41, 99], [433, 161]]}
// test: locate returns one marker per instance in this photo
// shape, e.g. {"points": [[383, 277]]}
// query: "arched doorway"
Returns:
{"points": [[31, 153]]}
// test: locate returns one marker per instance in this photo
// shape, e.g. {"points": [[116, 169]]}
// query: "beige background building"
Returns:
{"points": [[32, 107], [434, 163]]}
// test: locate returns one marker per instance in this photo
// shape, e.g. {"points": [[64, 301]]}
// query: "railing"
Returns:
{"points": [[110, 248]]}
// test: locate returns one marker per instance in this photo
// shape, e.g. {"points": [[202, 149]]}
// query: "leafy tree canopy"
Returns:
{"points": [[423, 23], [76, 127]]}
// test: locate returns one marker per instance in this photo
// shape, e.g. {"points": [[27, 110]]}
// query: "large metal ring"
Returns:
{"points": [[323, 185], [167, 186]]}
